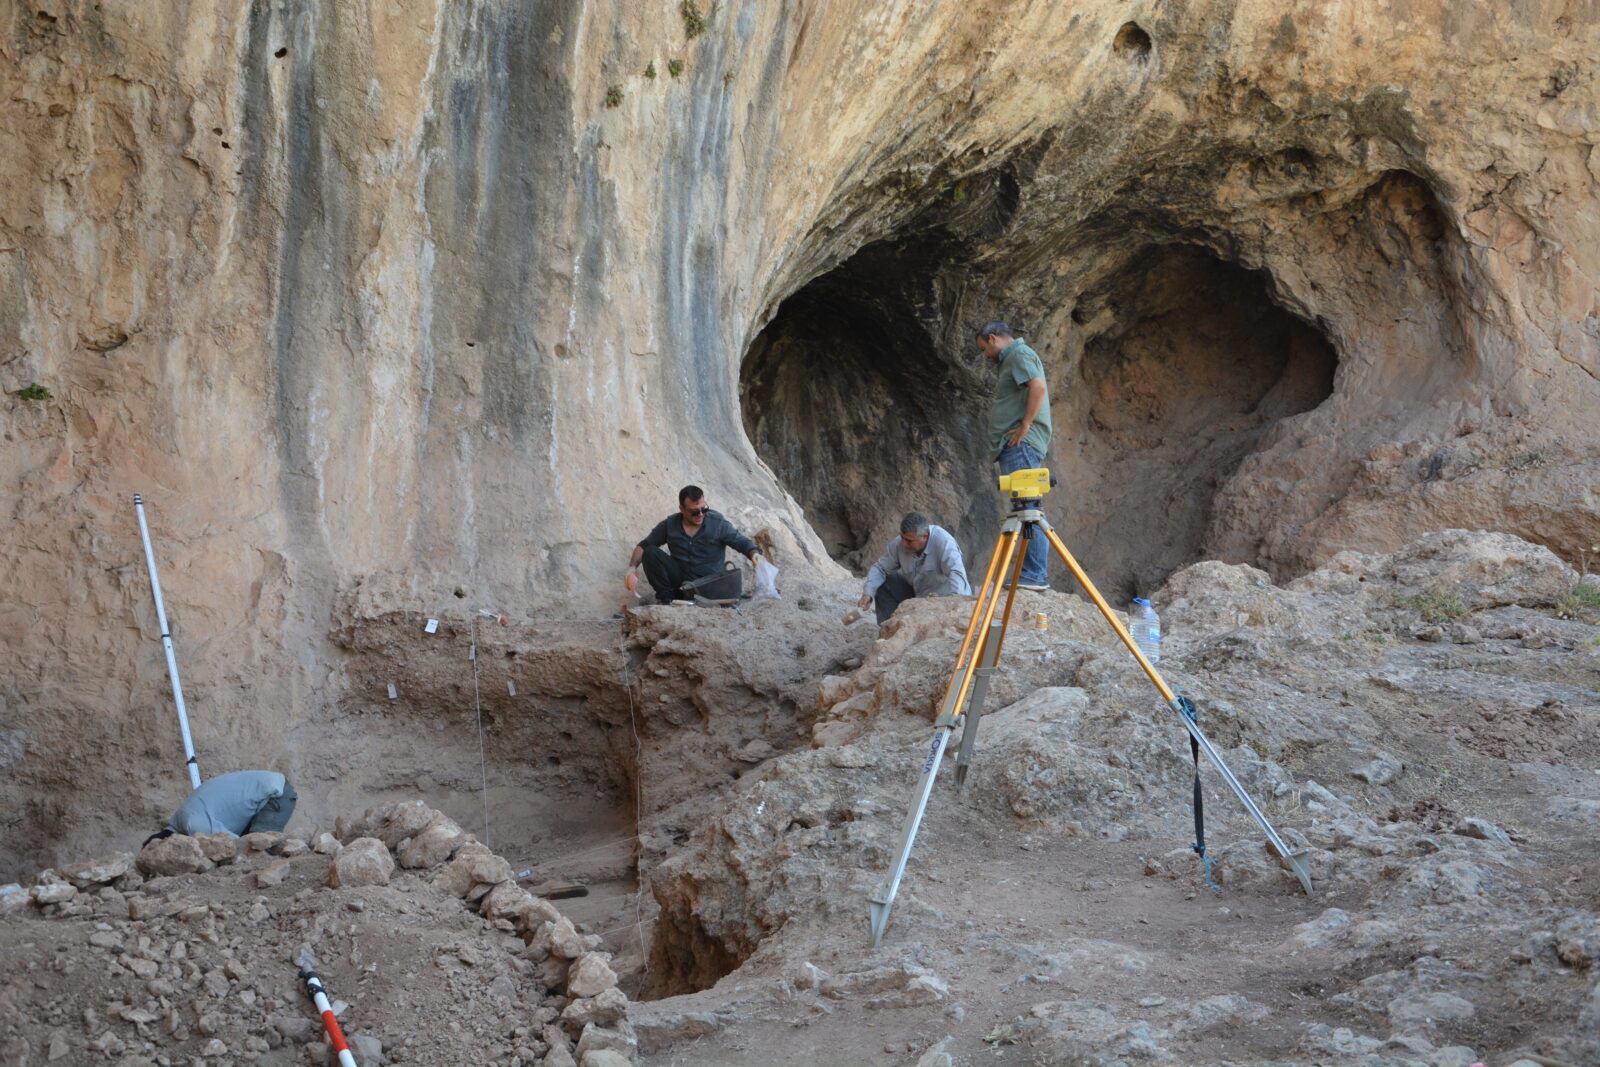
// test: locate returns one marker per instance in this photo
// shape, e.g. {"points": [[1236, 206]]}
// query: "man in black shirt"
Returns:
{"points": [[698, 539]]}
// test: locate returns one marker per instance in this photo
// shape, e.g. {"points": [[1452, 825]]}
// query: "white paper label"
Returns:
{"points": [[392, 693], [511, 688], [432, 627]]}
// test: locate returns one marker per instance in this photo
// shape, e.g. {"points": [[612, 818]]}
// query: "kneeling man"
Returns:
{"points": [[923, 561], [697, 539]]}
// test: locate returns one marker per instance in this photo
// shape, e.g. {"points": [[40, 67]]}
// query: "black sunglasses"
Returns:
{"points": [[697, 512]]}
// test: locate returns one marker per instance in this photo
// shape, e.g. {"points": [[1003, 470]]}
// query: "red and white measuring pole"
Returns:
{"points": [[308, 974]]}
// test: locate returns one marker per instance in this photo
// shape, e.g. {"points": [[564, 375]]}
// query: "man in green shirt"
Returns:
{"points": [[1019, 425]]}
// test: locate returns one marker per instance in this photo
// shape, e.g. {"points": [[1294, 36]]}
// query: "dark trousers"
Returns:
{"points": [[890, 594], [665, 574], [274, 814]]}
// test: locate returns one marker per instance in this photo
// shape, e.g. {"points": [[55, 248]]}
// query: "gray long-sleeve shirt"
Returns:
{"points": [[935, 571], [227, 803], [703, 553]]}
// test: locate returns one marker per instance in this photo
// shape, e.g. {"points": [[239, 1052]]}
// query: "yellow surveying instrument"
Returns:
{"points": [[975, 665]]}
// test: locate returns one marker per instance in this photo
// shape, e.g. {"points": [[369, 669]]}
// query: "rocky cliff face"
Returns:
{"points": [[448, 297]]}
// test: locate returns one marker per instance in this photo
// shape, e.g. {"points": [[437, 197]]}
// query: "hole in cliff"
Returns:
{"points": [[856, 409], [1194, 372], [280, 53], [1132, 41]]}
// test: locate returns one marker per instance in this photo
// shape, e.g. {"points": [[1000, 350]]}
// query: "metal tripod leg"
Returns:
{"points": [[987, 655], [1298, 861], [949, 712], [930, 770]]}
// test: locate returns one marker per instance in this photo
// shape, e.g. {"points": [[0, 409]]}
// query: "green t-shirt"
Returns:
{"points": [[1019, 365]]}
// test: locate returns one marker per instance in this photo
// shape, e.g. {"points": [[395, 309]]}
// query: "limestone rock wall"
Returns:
{"points": [[454, 296]]}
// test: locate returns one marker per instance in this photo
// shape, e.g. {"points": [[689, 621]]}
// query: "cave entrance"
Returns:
{"points": [[862, 411], [1188, 368]]}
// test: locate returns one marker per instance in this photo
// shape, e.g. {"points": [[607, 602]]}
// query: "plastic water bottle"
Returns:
{"points": [[1145, 626]]}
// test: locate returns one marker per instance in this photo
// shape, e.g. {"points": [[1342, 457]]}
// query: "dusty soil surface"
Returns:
{"points": [[1425, 723]]}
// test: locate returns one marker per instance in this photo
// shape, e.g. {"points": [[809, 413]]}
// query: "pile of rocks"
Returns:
{"points": [[186, 951]]}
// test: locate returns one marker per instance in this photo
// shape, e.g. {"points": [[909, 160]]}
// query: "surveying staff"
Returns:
{"points": [[923, 561], [1019, 425], [697, 538], [237, 803]]}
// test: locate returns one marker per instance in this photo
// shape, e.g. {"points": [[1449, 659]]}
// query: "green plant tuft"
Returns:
{"points": [[694, 23], [34, 391], [1581, 600], [614, 96], [650, 69], [729, 75], [674, 67]]}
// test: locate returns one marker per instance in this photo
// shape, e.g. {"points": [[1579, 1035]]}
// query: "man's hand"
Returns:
{"points": [[865, 602], [1014, 438]]}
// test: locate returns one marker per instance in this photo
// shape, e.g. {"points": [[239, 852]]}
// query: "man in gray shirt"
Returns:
{"points": [[923, 561], [237, 803]]}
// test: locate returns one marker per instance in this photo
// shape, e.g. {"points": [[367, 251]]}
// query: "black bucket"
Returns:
{"points": [[726, 584]]}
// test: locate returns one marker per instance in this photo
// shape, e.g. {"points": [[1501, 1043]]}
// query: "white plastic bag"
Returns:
{"points": [[766, 581]]}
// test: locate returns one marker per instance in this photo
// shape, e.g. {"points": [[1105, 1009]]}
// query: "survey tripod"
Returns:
{"points": [[976, 664]]}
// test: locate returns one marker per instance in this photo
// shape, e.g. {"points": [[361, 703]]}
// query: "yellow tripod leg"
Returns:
{"points": [[977, 611], [988, 658], [1298, 861], [988, 600]]}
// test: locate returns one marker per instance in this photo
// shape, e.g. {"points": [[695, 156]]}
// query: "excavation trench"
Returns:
{"points": [[602, 752]]}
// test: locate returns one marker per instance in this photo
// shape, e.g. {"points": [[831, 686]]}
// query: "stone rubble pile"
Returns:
{"points": [[191, 943]]}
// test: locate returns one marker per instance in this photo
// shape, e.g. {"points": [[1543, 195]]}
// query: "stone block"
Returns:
{"points": [[102, 871], [178, 854], [364, 861], [590, 975], [434, 844]]}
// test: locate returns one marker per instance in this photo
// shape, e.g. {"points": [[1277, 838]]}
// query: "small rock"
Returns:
{"points": [[272, 874], [214, 1047], [565, 941], [325, 844], [434, 844], [52, 894], [293, 846], [601, 1010], [368, 1050], [364, 861], [177, 854], [595, 1038], [939, 1055], [104, 870], [258, 912], [12, 898], [1483, 830], [407, 820], [1380, 771], [220, 848], [57, 1047], [604, 1057], [559, 1056], [262, 841], [590, 975]]}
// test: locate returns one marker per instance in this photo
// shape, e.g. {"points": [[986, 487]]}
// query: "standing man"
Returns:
{"points": [[1019, 426], [697, 538], [923, 561]]}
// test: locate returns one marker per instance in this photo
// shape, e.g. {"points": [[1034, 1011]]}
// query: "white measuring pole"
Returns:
{"points": [[166, 643]]}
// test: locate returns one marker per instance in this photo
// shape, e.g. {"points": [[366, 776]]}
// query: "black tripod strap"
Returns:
{"points": [[1186, 706]]}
